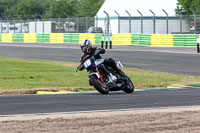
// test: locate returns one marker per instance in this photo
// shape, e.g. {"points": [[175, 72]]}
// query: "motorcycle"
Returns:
{"points": [[104, 78]]}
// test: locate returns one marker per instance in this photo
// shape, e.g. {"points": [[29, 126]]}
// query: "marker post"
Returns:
{"points": [[110, 41], [102, 41], [198, 48]]}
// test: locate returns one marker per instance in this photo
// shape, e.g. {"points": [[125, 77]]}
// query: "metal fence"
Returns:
{"points": [[179, 24], [51, 25]]}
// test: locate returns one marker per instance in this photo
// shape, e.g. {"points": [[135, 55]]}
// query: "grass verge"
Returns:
{"points": [[21, 76]]}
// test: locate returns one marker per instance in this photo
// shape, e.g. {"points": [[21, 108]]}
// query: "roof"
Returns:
{"points": [[144, 6]]}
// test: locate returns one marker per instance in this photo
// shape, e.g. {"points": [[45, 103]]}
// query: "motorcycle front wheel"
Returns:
{"points": [[129, 86], [98, 85]]}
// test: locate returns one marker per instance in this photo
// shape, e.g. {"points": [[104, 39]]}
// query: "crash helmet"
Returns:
{"points": [[86, 45]]}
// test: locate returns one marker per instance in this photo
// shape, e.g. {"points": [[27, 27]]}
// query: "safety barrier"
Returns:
{"points": [[187, 40], [141, 39], [153, 40], [72, 38], [18, 38], [30, 38], [90, 37], [121, 39], [43, 38], [162, 40], [6, 38]]}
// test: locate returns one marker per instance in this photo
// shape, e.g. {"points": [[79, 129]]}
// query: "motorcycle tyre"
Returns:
{"points": [[129, 90], [97, 86]]}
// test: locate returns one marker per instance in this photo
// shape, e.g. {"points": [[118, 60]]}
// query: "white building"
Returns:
{"points": [[122, 25]]}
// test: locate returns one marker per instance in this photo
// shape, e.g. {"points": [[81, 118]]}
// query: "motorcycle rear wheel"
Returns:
{"points": [[98, 85]]}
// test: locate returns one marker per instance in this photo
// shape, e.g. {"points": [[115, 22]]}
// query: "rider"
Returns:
{"points": [[88, 51]]}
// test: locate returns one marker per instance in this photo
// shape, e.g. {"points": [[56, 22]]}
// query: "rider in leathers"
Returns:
{"points": [[88, 51]]}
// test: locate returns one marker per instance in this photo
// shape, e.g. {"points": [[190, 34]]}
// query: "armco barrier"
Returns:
{"points": [[122, 39], [162, 40], [154, 40], [30, 38], [98, 39], [185, 40], [71, 38], [141, 39], [56, 38], [90, 37], [6, 38], [18, 38], [43, 38]]}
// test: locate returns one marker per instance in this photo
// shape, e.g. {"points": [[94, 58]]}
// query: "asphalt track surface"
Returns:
{"points": [[187, 64], [180, 63], [33, 104]]}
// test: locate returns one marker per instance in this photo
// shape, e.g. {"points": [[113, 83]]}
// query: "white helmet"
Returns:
{"points": [[86, 45]]}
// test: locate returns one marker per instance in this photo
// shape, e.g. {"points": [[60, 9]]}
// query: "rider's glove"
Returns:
{"points": [[80, 67]]}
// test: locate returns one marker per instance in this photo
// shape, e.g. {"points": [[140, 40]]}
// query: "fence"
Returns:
{"points": [[179, 24], [51, 25]]}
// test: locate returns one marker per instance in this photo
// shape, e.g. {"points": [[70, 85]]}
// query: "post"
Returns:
{"points": [[77, 21], [194, 19], [141, 21], [96, 21], [8, 25], [106, 41], [110, 40], [19, 19], [1, 24], [102, 41], [35, 23], [59, 22], [86, 19], [118, 21], [198, 48], [11, 18], [180, 21], [167, 20], [28, 23], [107, 26], [42, 23], [129, 21], [154, 21]]}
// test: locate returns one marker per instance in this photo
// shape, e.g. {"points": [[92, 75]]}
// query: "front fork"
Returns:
{"points": [[100, 76]]}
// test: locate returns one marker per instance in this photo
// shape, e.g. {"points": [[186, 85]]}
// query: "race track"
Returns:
{"points": [[34, 104], [187, 64]]}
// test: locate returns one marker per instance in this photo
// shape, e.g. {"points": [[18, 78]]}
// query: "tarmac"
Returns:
{"points": [[183, 50]]}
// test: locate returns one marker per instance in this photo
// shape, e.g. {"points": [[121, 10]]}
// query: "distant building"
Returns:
{"points": [[145, 24]]}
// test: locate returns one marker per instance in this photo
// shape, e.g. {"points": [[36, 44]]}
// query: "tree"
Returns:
{"points": [[6, 4], [62, 8], [48, 8], [89, 7], [27, 9], [185, 5]]}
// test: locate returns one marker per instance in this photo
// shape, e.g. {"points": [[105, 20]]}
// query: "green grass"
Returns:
{"points": [[32, 74]]}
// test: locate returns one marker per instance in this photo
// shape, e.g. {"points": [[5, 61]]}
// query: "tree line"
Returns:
{"points": [[23, 9]]}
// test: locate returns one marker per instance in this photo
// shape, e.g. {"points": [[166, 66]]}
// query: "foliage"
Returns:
{"points": [[89, 7], [49, 8], [26, 9], [62, 8], [185, 5]]}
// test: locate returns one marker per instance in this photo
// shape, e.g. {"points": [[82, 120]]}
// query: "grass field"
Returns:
{"points": [[19, 74]]}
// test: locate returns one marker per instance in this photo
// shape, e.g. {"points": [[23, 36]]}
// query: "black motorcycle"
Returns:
{"points": [[104, 78]]}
